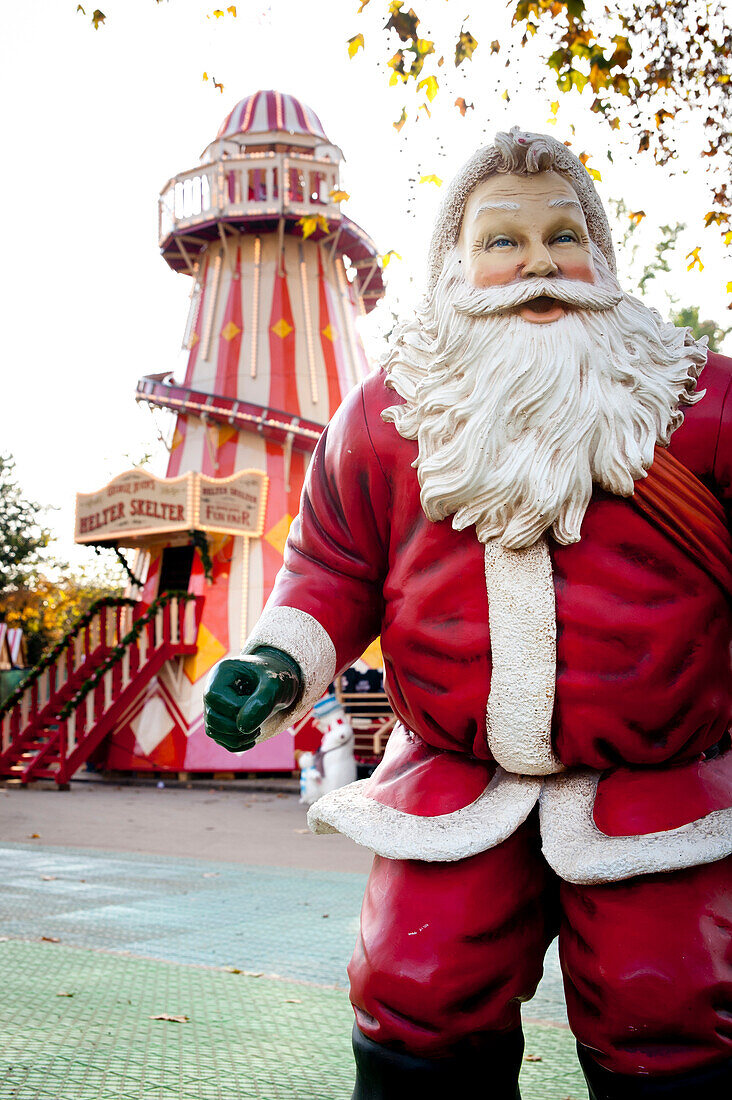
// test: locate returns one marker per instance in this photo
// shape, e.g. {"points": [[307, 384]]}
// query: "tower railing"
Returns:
{"points": [[255, 184]]}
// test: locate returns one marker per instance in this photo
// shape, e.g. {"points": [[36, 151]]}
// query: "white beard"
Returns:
{"points": [[515, 421]]}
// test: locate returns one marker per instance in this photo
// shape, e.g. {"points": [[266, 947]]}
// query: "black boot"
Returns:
{"points": [[711, 1083], [489, 1070]]}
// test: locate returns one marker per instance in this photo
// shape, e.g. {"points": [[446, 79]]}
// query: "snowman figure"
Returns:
{"points": [[334, 764]]}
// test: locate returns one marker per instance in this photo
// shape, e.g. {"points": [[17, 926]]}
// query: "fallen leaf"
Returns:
{"points": [[431, 87], [729, 288], [210, 874], [532, 1058], [64, 994], [170, 1019], [232, 970], [293, 1001], [35, 836], [232, 10], [50, 939], [637, 216], [97, 18], [302, 830], [338, 196], [48, 878]]}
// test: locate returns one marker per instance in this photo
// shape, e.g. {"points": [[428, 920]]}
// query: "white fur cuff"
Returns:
{"points": [[304, 639], [506, 802], [576, 849]]}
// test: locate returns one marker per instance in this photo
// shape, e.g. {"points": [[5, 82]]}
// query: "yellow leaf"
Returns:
{"points": [[97, 18], [594, 173], [363, 4], [554, 106], [338, 196], [218, 13], [430, 85], [729, 288], [205, 76], [388, 257], [695, 259], [727, 237], [355, 44], [637, 216], [506, 96], [724, 78], [310, 223], [432, 179], [232, 10], [79, 8], [401, 120]]}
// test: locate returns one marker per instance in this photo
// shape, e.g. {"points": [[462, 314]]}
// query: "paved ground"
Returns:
{"points": [[208, 904]]}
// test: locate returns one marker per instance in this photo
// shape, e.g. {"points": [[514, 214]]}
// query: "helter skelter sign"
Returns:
{"points": [[135, 507]]}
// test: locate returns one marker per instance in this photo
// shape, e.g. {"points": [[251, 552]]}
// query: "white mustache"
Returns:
{"points": [[484, 301]]}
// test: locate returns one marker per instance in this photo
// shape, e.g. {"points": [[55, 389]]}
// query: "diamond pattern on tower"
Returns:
{"points": [[282, 329], [277, 535], [230, 331], [210, 650], [328, 333]]}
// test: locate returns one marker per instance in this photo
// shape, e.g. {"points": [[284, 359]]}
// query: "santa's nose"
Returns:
{"points": [[539, 263]]}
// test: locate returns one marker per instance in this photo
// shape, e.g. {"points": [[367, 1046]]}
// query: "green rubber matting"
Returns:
{"points": [[75, 1024]]}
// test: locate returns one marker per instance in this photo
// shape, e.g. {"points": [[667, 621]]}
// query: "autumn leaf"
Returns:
{"points": [[355, 44], [430, 85], [363, 4], [205, 76], [431, 179], [532, 1058], [637, 216], [82, 10], [729, 288], [506, 96], [400, 121], [218, 13], [554, 106], [232, 10], [715, 217], [310, 223], [50, 939], [464, 47], [495, 46], [64, 994], [462, 106], [727, 237], [405, 23], [217, 86], [388, 257], [97, 18], [338, 196], [170, 1019], [695, 259]]}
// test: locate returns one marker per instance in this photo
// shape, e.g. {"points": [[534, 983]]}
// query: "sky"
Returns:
{"points": [[95, 122]]}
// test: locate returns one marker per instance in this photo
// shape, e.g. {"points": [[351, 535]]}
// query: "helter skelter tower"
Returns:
{"points": [[273, 349]]}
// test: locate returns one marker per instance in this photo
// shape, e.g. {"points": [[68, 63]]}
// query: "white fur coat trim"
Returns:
{"points": [[304, 639], [580, 853], [523, 631], [506, 802]]}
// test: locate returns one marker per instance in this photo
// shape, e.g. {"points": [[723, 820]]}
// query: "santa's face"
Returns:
{"points": [[523, 227]]}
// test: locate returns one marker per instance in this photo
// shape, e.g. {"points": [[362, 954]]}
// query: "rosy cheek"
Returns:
{"points": [[493, 272], [581, 269]]}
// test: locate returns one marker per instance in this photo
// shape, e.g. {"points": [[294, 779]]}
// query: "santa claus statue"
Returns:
{"points": [[527, 503]]}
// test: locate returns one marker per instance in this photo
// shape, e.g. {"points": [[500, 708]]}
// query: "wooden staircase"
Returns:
{"points": [[61, 712]]}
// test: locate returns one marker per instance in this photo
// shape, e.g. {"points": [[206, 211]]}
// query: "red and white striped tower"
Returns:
{"points": [[280, 276]]}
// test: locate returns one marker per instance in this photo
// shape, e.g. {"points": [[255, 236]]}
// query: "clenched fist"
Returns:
{"points": [[241, 694]]}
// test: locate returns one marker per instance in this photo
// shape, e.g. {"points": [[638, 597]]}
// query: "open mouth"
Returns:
{"points": [[544, 304]]}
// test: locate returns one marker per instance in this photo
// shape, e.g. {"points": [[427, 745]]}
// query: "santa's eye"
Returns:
{"points": [[500, 242], [565, 238]]}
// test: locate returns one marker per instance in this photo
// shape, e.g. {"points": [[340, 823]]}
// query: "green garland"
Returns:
{"points": [[39, 668], [119, 650], [201, 544]]}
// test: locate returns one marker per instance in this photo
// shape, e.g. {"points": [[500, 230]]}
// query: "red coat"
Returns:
{"points": [[643, 633]]}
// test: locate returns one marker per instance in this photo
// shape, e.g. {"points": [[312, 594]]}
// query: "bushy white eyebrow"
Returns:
{"points": [[565, 202], [507, 205]]}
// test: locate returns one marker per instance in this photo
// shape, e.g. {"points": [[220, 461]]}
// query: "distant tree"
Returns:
{"points": [[23, 538], [689, 316], [47, 608], [646, 69]]}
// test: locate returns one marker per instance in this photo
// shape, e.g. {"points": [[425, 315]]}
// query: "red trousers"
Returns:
{"points": [[448, 951]]}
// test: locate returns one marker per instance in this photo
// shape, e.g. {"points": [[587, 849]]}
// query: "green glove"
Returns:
{"points": [[241, 694]]}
